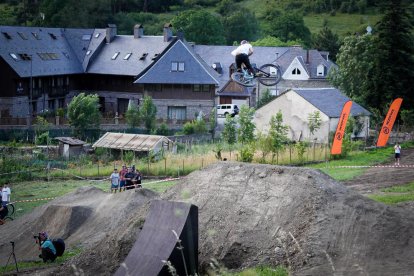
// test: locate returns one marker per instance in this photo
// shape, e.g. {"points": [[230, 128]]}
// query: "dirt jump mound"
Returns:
{"points": [[260, 214], [249, 215]]}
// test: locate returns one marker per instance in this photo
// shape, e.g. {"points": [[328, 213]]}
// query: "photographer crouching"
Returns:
{"points": [[47, 247]]}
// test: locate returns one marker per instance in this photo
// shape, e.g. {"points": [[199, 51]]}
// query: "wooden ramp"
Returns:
{"points": [[157, 242]]}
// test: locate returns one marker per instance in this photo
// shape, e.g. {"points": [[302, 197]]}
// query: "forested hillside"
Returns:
{"points": [[251, 19]]}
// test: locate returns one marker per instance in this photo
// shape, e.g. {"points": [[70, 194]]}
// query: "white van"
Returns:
{"points": [[224, 109]]}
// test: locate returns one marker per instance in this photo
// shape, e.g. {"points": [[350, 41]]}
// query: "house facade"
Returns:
{"points": [[296, 105]]}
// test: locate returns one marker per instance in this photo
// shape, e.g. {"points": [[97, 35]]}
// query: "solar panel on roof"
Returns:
{"points": [[22, 35]]}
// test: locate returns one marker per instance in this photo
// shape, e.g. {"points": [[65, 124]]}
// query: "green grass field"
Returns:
{"points": [[396, 194]]}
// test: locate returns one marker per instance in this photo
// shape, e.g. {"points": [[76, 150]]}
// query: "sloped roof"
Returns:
{"points": [[33, 41], [195, 69], [70, 141], [125, 44], [330, 101], [310, 59], [222, 54], [127, 141]]}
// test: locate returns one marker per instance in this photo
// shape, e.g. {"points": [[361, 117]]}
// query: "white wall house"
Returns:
{"points": [[297, 104]]}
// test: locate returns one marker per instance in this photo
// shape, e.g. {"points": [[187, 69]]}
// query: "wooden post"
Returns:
{"points": [[165, 166]]}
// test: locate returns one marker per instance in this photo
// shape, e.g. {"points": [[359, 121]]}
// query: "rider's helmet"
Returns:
{"points": [[44, 234], [243, 42]]}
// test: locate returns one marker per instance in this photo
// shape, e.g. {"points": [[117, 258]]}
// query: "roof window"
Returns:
{"points": [[14, 56], [115, 56], [144, 55], [48, 56], [97, 35], [22, 35], [86, 37], [66, 55], [127, 56], [53, 36], [155, 56], [217, 66], [88, 52], [6, 35], [25, 56], [35, 35]]}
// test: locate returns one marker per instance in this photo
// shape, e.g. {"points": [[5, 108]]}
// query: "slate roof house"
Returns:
{"points": [[299, 68], [297, 104], [60, 63], [48, 66]]}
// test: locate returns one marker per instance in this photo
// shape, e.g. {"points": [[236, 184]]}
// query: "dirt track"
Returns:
{"points": [[249, 214], [375, 179]]}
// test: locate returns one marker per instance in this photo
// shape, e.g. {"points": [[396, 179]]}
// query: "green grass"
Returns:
{"points": [[69, 253], [359, 158], [342, 24], [261, 271], [396, 194]]}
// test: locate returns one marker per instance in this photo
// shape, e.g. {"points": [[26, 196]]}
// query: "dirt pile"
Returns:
{"points": [[249, 214]]}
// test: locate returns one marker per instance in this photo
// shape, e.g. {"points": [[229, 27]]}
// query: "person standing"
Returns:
{"points": [[114, 180], [397, 153], [5, 194], [122, 181]]}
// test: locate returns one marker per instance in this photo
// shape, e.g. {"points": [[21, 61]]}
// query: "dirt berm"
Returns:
{"points": [[249, 214]]}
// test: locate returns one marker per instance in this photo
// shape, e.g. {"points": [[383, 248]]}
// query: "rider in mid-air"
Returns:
{"points": [[242, 54]]}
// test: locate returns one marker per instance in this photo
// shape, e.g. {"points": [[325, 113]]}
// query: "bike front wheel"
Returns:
{"points": [[242, 80], [269, 74]]}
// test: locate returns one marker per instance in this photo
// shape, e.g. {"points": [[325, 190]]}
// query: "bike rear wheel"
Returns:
{"points": [[269, 74], [242, 80], [10, 207]]}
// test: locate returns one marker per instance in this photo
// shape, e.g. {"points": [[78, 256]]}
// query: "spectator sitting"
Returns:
{"points": [[47, 247], [114, 180]]}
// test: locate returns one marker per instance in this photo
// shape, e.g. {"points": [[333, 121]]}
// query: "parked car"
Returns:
{"points": [[224, 109]]}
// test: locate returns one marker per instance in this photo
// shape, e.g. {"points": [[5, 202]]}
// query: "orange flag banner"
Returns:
{"points": [[340, 129], [389, 122]]}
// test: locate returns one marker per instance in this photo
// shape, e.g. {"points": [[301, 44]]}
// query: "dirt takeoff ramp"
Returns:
{"points": [[157, 241]]}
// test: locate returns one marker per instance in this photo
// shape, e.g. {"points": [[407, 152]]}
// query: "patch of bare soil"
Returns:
{"points": [[249, 214], [374, 179]]}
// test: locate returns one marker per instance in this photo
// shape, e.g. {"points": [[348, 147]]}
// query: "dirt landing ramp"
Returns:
{"points": [[253, 214], [157, 242]]}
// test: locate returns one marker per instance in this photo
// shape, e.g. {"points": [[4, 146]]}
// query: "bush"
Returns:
{"points": [[43, 139], [247, 153], [188, 128], [162, 130]]}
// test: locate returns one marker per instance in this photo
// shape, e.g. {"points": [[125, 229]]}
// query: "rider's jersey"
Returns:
{"points": [[243, 49]]}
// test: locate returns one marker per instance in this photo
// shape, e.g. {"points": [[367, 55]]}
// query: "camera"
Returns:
{"points": [[37, 238]]}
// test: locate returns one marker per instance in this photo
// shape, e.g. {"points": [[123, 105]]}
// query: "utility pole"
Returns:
{"points": [[31, 93]]}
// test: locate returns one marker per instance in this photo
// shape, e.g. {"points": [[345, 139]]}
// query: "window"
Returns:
{"points": [[127, 56], [156, 87], [296, 71], [177, 66], [88, 52], [51, 104], [25, 56], [115, 56], [6, 35], [48, 56], [97, 35], [201, 88], [53, 36], [35, 35], [177, 112], [61, 103], [144, 55], [22, 35], [14, 56]]}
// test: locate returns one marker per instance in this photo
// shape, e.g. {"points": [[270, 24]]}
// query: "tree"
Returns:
{"points": [[271, 41], [395, 60], [264, 144], [314, 122], [356, 67], [287, 26], [229, 132], [133, 115], [83, 113], [266, 97], [241, 24], [148, 113], [200, 26], [278, 134], [326, 40], [245, 132]]}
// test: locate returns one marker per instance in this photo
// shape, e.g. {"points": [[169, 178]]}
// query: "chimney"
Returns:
{"points": [[180, 35], [138, 31], [167, 32], [110, 32]]}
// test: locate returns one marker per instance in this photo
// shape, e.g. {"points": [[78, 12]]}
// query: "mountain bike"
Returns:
{"points": [[8, 213], [267, 74]]}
